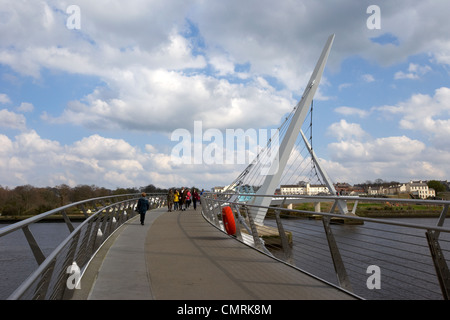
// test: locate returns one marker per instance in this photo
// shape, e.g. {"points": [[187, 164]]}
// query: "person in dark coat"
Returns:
{"points": [[195, 197], [142, 206], [183, 199], [170, 199]]}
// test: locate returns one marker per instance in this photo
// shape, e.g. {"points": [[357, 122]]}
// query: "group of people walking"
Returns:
{"points": [[182, 199], [176, 199]]}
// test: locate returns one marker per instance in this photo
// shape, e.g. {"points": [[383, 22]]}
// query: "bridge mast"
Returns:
{"points": [[341, 204], [277, 167]]}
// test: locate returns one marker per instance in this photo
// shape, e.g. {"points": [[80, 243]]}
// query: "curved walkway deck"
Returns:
{"points": [[180, 256]]}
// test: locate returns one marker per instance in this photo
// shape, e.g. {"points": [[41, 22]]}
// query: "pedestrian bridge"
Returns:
{"points": [[273, 251], [187, 255], [178, 255]]}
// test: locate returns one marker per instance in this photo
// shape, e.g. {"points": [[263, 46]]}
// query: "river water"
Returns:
{"points": [[17, 261], [402, 254]]}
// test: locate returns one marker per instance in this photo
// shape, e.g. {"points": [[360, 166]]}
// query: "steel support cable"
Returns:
{"points": [[411, 287], [316, 248], [323, 268], [281, 133], [314, 233], [389, 290], [378, 245], [256, 163], [404, 281], [300, 173], [292, 162], [350, 261], [313, 165], [305, 225], [396, 233], [410, 252], [351, 258], [405, 265], [265, 154], [300, 164], [296, 173], [251, 177], [390, 263], [297, 144], [315, 258], [396, 248], [318, 253]]}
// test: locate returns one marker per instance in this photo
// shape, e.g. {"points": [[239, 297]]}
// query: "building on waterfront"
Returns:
{"points": [[304, 189], [218, 189], [420, 189], [417, 189]]}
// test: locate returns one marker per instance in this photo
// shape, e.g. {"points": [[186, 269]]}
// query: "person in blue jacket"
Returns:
{"points": [[142, 206]]}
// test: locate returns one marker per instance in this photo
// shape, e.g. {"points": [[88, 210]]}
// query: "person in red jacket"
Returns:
{"points": [[188, 198], [195, 198]]}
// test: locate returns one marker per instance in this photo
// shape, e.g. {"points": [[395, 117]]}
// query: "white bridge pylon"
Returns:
{"points": [[277, 167]]}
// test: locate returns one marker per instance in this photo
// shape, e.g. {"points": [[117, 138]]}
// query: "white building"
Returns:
{"points": [[218, 189], [292, 189], [307, 189], [420, 189], [416, 188]]}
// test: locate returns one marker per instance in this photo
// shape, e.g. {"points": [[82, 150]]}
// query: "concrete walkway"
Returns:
{"points": [[180, 256]]}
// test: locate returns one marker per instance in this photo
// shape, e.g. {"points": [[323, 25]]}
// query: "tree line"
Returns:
{"points": [[30, 200]]}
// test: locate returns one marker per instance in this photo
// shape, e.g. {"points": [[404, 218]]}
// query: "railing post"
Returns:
{"points": [[440, 264], [241, 219], [44, 282], [49, 280], [241, 222], [37, 252], [83, 208], [256, 239], [206, 208], [441, 220], [104, 226], [83, 253], [238, 222], [67, 293], [287, 250], [219, 212], [97, 233], [67, 221], [213, 215], [339, 267]]}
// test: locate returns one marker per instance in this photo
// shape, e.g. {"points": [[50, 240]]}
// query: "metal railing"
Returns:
{"points": [[102, 216], [372, 258]]}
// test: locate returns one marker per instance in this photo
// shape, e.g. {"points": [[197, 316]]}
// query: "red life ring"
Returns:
{"points": [[228, 220]]}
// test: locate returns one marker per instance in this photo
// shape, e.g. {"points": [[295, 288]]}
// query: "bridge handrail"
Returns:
{"points": [[49, 280], [23, 223], [19, 292], [212, 203], [357, 218], [333, 198]]}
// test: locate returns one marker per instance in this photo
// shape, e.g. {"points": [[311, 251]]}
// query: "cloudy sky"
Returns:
{"points": [[92, 93]]}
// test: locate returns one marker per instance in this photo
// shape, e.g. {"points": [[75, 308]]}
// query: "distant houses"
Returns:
{"points": [[414, 188], [417, 189]]}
